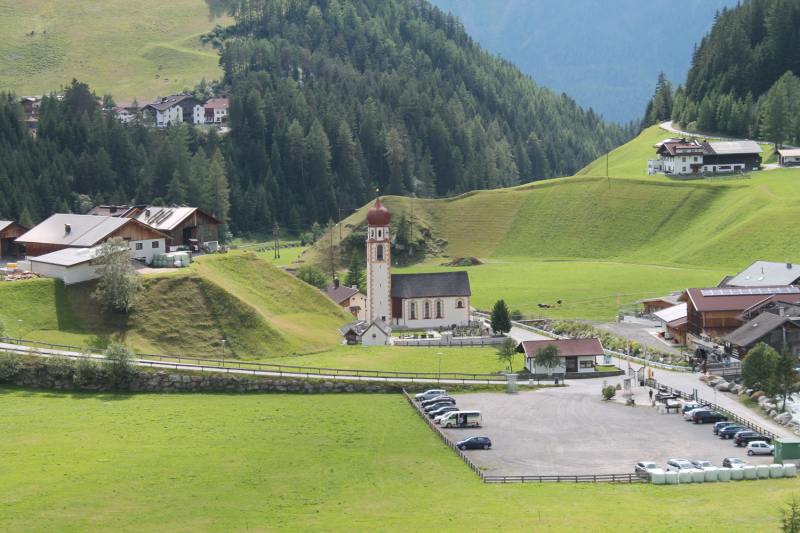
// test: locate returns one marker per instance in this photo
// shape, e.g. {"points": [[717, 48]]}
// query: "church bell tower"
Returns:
{"points": [[379, 264]]}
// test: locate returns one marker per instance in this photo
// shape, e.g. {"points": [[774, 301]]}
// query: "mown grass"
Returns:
{"points": [[215, 462], [116, 47], [587, 289]]}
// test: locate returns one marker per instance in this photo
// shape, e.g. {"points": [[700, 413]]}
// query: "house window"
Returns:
{"points": [[372, 234], [412, 311], [460, 304], [695, 160], [439, 309], [427, 309], [155, 244], [587, 364], [684, 160], [379, 234], [139, 246], [380, 252]]}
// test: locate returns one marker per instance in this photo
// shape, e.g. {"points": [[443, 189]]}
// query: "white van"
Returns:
{"points": [[461, 419]]}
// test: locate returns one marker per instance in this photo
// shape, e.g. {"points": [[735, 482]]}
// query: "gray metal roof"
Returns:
{"points": [[755, 329], [165, 218], [53, 230], [431, 285], [4, 224], [736, 147], [766, 274], [381, 325], [67, 257]]}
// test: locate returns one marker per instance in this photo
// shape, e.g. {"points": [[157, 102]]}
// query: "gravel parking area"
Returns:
{"points": [[571, 431]]}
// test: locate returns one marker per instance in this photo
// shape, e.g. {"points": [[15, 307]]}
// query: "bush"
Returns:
{"points": [[119, 363], [87, 370], [2, 328], [60, 366], [609, 392], [10, 365]]}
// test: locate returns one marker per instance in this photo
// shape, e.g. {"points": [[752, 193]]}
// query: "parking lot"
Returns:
{"points": [[571, 431]]}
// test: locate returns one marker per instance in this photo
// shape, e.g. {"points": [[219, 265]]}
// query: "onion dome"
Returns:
{"points": [[378, 215]]}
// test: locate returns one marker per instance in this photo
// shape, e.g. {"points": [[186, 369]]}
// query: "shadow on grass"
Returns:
{"points": [[28, 392]]}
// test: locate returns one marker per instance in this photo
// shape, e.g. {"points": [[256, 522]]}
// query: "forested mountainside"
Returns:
{"points": [[328, 100], [743, 77]]}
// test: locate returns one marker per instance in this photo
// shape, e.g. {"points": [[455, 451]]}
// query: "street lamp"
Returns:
{"points": [[223, 352], [440, 367], [20, 330]]}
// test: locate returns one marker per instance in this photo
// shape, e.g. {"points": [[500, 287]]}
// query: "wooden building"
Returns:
{"points": [[9, 231], [772, 329], [181, 223], [62, 231]]}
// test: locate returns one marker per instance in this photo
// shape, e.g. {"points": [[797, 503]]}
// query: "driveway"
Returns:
{"points": [[637, 333]]}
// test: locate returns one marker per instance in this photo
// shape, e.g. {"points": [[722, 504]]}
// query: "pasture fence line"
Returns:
{"points": [[731, 416]]}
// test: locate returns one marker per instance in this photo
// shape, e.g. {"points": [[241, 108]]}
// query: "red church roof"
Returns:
{"points": [[378, 215]]}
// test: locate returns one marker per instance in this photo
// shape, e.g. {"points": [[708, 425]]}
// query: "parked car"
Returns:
{"points": [[676, 465], [760, 447], [643, 468], [702, 464], [461, 419], [689, 414], [435, 406], [733, 462], [743, 438], [690, 406], [442, 410], [730, 431], [438, 399], [701, 417], [474, 442], [430, 394], [719, 425]]}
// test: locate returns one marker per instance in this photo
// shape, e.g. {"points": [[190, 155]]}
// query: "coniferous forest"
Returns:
{"points": [[329, 99]]}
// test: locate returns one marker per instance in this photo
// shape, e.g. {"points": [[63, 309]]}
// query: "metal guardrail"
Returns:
{"points": [[610, 478], [288, 369], [731, 416]]}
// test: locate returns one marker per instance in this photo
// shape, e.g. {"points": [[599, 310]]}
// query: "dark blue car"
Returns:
{"points": [[442, 410], [474, 443], [730, 431]]}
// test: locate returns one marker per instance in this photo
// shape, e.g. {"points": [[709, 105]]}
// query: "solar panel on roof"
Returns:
{"points": [[750, 291]]}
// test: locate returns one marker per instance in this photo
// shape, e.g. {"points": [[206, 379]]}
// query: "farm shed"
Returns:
{"points": [[774, 330], [70, 265], [577, 355], [788, 158], [9, 231], [181, 223]]}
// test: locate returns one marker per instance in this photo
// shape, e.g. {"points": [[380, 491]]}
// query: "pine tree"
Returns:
{"points": [[176, 192], [356, 276], [500, 320], [217, 193]]}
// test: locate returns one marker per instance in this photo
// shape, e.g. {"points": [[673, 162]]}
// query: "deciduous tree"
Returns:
{"points": [[119, 285]]}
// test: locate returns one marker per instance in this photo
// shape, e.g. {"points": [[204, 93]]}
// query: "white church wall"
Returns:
{"points": [[451, 313]]}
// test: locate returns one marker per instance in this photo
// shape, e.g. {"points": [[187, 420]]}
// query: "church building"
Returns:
{"points": [[415, 301]]}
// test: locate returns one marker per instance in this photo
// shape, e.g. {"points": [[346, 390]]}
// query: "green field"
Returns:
{"points": [[117, 47], [261, 311], [214, 462]]}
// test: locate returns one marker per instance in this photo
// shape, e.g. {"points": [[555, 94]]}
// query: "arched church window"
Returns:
{"points": [[379, 234], [460, 304], [380, 252], [438, 309], [372, 234], [412, 311], [427, 309]]}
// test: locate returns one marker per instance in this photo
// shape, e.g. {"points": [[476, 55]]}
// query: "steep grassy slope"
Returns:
{"points": [[115, 46], [261, 311]]}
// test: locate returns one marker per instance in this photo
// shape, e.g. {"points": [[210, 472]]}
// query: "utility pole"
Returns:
{"points": [[277, 235], [333, 253]]}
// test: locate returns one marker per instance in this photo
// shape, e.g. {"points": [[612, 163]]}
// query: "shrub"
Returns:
{"points": [[10, 365], [60, 366], [119, 363], [609, 392], [87, 370], [465, 263], [2, 328]]}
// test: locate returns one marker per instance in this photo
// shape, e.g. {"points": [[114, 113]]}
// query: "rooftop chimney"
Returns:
{"points": [[112, 209], [788, 264], [67, 228], [335, 283], [782, 311]]}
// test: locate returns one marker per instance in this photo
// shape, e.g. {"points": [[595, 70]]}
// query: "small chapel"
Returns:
{"points": [[415, 301]]}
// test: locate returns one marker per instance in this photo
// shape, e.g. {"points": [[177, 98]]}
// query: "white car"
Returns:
{"points": [[702, 465], [430, 394], [688, 414], [760, 447], [644, 468], [676, 465]]}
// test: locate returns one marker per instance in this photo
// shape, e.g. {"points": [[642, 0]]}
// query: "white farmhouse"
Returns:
{"points": [[175, 109], [577, 355], [415, 301]]}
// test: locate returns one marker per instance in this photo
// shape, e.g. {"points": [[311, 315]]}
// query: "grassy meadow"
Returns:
{"points": [[214, 462], [116, 48]]}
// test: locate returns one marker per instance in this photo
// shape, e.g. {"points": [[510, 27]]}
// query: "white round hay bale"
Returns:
{"points": [[685, 476], [775, 470], [723, 474], [790, 470], [750, 472], [698, 476], [657, 477], [710, 473], [762, 471], [671, 478], [737, 474]]}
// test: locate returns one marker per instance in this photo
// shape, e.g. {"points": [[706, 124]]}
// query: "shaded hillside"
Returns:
{"points": [[260, 310]]}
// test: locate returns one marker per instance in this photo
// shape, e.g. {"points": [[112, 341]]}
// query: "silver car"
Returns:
{"points": [[676, 465], [644, 468]]}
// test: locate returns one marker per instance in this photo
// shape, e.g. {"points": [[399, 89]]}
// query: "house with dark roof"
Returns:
{"points": [[9, 231], [174, 109], [676, 155], [216, 111], [350, 299], [772, 329], [577, 355], [379, 333]]}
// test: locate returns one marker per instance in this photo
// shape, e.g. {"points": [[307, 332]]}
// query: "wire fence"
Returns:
{"points": [[731, 416]]}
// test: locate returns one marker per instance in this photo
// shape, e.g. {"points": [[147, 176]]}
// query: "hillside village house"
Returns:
{"points": [[350, 299], [577, 355], [788, 157], [765, 274], [175, 109], [772, 329], [9, 231], [216, 111], [409, 300], [126, 112], [679, 156]]}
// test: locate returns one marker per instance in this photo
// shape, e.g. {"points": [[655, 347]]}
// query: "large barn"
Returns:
{"points": [[413, 301], [9, 231]]}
